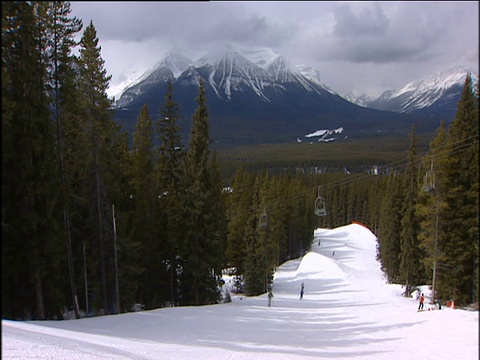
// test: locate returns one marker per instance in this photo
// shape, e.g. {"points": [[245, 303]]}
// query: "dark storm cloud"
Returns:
{"points": [[144, 21], [253, 31], [354, 44], [377, 53], [200, 25], [391, 32], [369, 21]]}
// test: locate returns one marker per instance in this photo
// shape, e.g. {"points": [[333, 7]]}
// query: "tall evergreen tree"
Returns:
{"points": [[460, 219], [169, 172], [410, 254], [389, 228], [239, 205], [301, 220], [59, 42], [202, 261], [101, 134], [144, 197], [219, 209], [255, 259], [430, 206], [29, 176]]}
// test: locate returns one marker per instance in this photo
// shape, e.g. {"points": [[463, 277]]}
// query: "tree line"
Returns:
{"points": [[424, 210], [93, 225], [86, 221], [428, 218]]}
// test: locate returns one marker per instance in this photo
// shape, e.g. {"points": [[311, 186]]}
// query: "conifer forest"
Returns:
{"points": [[94, 223]]}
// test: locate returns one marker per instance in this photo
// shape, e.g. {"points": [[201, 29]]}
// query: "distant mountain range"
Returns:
{"points": [[436, 95], [259, 97]]}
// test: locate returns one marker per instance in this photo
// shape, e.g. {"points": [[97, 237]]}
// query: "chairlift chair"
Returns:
{"points": [[430, 180], [320, 205], [263, 220]]}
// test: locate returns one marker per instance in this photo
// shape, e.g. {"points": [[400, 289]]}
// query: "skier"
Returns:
{"points": [[418, 293], [421, 300], [301, 291], [270, 296]]}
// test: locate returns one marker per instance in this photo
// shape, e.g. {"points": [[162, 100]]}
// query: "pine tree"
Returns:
{"points": [[460, 219], [298, 219], [127, 256], [430, 206], [266, 224], [100, 134], [169, 173], [255, 260], [145, 197], [29, 176], [219, 210], [59, 33], [410, 254], [389, 228], [202, 260], [238, 210]]}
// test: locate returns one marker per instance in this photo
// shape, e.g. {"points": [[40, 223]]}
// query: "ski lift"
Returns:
{"points": [[263, 220], [320, 205], [430, 180]]}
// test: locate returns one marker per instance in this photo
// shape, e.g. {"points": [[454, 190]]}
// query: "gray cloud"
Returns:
{"points": [[373, 46], [369, 21], [254, 31]]}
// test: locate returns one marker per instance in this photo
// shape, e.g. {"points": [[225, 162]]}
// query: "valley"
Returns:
{"points": [[358, 154]]}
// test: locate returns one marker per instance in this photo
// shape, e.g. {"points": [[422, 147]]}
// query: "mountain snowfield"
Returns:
{"points": [[424, 93], [263, 67], [348, 311]]}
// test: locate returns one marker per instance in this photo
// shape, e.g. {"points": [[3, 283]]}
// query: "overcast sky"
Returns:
{"points": [[362, 47]]}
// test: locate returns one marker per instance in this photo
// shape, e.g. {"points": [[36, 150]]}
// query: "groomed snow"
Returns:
{"points": [[347, 312]]}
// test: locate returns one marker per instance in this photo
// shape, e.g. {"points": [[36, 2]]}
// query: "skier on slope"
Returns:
{"points": [[301, 291], [421, 300], [270, 296], [418, 293]]}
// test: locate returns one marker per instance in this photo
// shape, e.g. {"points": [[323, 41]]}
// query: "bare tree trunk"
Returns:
{"points": [[39, 293]]}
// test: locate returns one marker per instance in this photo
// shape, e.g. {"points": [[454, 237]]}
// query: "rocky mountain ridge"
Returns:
{"points": [[259, 96]]}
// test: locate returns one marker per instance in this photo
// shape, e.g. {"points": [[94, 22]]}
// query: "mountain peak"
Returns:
{"points": [[280, 69], [261, 56], [217, 54], [176, 62], [440, 80], [427, 93], [259, 87]]}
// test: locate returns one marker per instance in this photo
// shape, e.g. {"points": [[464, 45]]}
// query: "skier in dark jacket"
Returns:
{"points": [[270, 296], [301, 291]]}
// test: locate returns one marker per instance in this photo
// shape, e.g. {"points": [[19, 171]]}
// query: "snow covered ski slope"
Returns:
{"points": [[347, 312]]}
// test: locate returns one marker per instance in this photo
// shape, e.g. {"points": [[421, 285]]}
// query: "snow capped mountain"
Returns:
{"points": [[313, 75], [281, 70], [170, 67], [260, 92], [438, 82], [361, 100], [260, 57], [443, 87], [128, 80], [229, 70], [176, 62]]}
